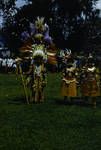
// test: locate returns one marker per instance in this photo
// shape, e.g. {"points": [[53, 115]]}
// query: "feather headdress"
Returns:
{"points": [[39, 23]]}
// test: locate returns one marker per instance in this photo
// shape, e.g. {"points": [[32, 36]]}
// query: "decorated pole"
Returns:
{"points": [[24, 86]]}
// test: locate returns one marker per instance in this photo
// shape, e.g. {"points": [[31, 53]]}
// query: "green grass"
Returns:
{"points": [[52, 125]]}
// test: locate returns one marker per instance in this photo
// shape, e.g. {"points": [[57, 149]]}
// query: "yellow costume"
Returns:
{"points": [[39, 82], [69, 87], [90, 82], [36, 76]]}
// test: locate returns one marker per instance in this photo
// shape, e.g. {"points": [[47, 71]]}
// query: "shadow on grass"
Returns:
{"points": [[79, 101], [16, 100]]}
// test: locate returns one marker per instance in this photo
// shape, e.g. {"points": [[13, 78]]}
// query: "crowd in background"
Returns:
{"points": [[7, 65]]}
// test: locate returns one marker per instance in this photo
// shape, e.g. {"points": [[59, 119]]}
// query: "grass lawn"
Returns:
{"points": [[53, 125]]}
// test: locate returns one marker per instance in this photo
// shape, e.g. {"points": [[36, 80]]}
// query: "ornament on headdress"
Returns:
{"points": [[92, 69], [38, 37], [38, 51], [68, 51], [39, 23]]}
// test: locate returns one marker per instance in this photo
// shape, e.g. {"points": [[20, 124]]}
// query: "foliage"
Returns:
{"points": [[72, 23]]}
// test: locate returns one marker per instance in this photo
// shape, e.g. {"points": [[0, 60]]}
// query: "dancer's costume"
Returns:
{"points": [[90, 82], [37, 76], [69, 83]]}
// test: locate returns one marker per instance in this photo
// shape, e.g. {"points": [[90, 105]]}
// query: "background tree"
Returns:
{"points": [[72, 23]]}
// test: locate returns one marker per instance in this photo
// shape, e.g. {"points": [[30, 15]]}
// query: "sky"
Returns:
{"points": [[20, 3], [98, 5]]}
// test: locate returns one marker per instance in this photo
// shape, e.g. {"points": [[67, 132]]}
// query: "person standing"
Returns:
{"points": [[69, 82], [90, 82], [36, 76]]}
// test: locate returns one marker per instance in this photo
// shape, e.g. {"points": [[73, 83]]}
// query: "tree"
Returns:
{"points": [[72, 23]]}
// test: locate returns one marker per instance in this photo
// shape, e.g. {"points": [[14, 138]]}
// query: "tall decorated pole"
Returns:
{"points": [[19, 70]]}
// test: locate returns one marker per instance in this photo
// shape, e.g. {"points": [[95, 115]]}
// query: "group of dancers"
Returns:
{"points": [[87, 77], [83, 81]]}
